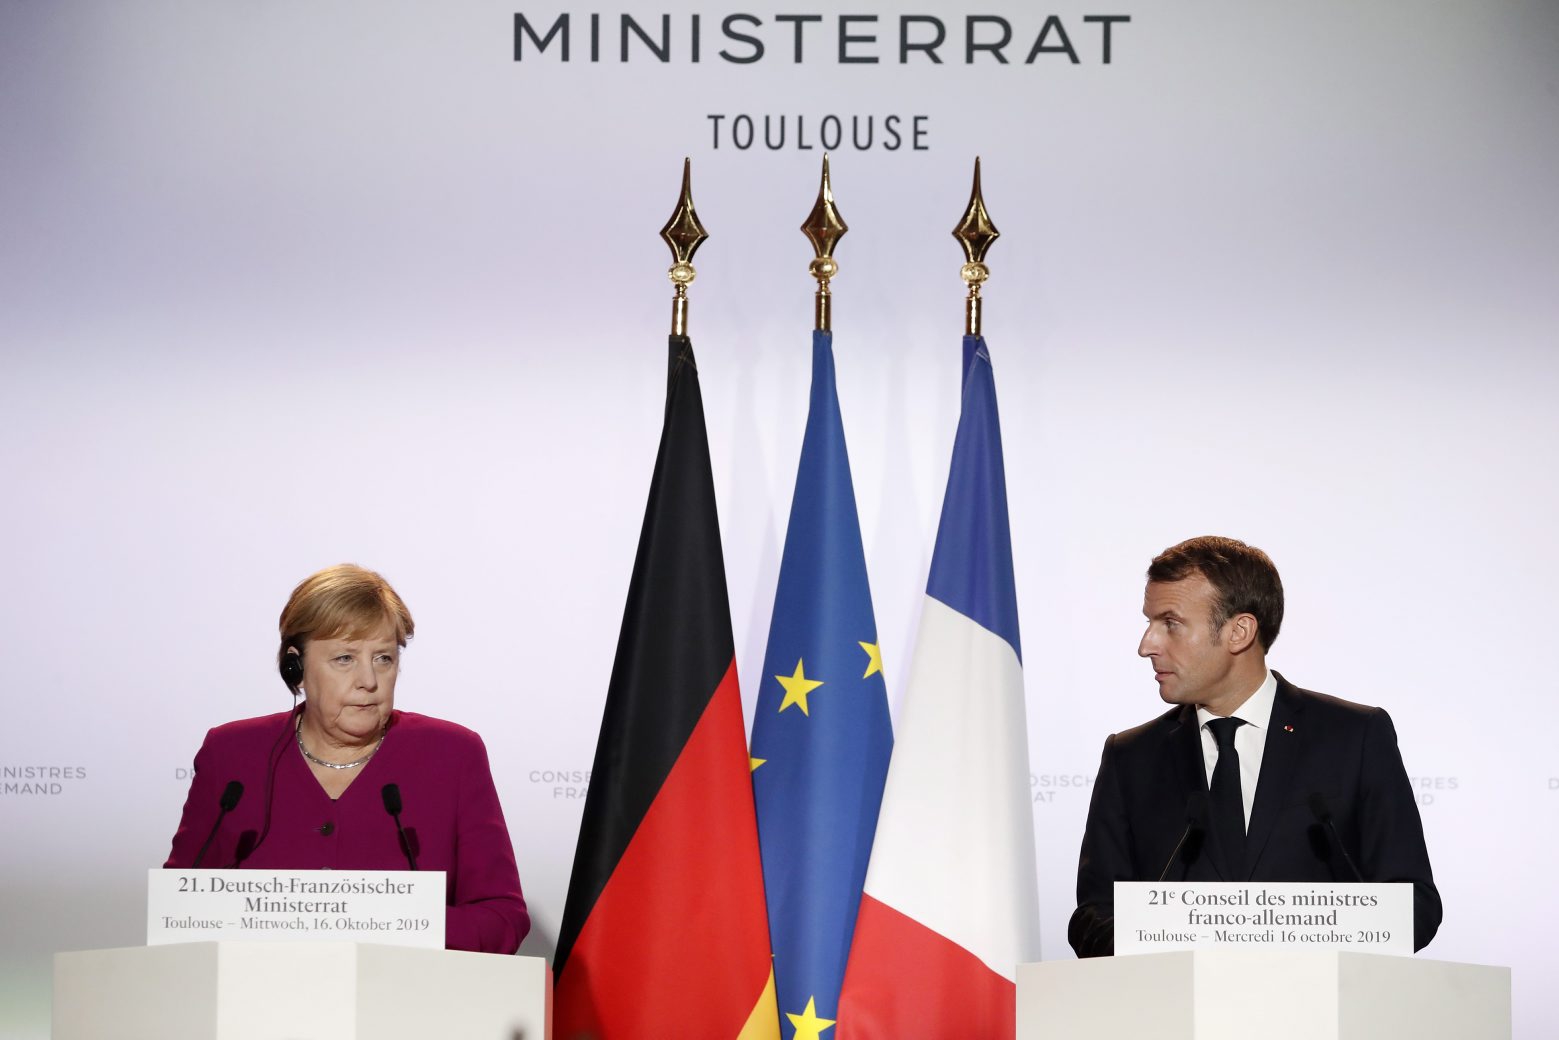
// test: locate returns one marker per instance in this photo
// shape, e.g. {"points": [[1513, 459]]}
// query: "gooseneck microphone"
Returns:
{"points": [[391, 793], [1323, 816], [1195, 817], [230, 796], [289, 728]]}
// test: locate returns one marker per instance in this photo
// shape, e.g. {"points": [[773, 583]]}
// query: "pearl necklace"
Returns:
{"points": [[335, 765]]}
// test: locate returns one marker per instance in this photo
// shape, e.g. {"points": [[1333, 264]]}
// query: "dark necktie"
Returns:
{"points": [[1226, 801]]}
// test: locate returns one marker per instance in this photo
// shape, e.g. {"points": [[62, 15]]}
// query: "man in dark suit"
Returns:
{"points": [[1259, 777]]}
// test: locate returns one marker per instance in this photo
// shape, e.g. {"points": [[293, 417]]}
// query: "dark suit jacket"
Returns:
{"points": [[1316, 744]]}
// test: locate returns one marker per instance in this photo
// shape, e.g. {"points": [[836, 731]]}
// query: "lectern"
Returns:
{"points": [[1273, 994], [299, 991]]}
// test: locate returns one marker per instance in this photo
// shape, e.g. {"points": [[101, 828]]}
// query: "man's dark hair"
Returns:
{"points": [[1243, 578]]}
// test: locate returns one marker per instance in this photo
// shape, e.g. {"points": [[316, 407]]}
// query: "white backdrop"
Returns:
{"points": [[287, 284]]}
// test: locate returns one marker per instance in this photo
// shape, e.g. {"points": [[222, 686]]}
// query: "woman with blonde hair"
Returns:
{"points": [[324, 778]]}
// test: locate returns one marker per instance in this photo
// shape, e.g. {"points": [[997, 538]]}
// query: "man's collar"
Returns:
{"points": [[1257, 709]]}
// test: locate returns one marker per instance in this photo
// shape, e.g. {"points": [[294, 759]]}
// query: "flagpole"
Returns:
{"points": [[975, 233], [684, 234], [670, 807], [824, 227], [944, 924]]}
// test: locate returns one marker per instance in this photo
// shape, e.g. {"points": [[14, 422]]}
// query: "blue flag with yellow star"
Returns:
{"points": [[822, 735]]}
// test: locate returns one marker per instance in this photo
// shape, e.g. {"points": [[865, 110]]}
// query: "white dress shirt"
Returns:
{"points": [[1250, 740]]}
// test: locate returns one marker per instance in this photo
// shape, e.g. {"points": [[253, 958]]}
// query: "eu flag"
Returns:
{"points": [[822, 735]]}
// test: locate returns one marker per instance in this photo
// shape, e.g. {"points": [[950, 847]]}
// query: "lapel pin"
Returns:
{"points": [[1288, 729]]}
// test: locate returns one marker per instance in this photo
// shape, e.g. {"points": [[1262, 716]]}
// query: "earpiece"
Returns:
{"points": [[290, 663]]}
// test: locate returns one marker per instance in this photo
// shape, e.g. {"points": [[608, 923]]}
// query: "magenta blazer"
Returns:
{"points": [[449, 809]]}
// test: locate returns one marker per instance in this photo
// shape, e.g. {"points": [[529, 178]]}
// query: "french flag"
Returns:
{"points": [[951, 903]]}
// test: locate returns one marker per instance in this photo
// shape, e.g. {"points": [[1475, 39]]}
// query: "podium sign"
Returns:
{"points": [[1158, 918], [388, 907]]}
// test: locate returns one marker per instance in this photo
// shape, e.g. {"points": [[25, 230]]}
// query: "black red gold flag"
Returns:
{"points": [[664, 930]]}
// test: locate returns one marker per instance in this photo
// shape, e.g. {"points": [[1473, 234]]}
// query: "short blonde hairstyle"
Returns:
{"points": [[342, 601]]}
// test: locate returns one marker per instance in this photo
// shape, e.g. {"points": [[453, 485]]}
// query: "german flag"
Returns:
{"points": [[664, 930]]}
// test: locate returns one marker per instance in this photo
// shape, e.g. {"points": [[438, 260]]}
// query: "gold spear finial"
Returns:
{"points": [[975, 233], [824, 227], [684, 234]]}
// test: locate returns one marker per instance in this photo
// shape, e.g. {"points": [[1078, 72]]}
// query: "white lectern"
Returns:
{"points": [[299, 991], [1273, 994]]}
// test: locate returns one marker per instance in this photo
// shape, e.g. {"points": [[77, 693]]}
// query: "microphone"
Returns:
{"points": [[391, 793], [289, 728], [1323, 816], [230, 796], [1195, 815], [245, 848]]}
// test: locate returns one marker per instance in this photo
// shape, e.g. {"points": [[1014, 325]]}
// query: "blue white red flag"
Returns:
{"points": [[951, 905]]}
